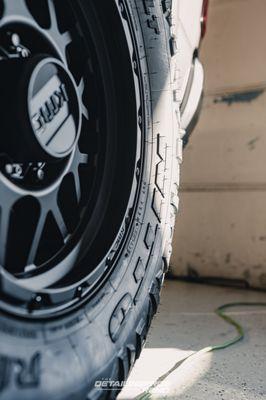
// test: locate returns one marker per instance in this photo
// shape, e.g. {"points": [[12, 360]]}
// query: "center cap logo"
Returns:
{"points": [[50, 108], [54, 108]]}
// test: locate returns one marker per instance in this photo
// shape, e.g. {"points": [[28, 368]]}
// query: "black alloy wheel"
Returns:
{"points": [[63, 160]]}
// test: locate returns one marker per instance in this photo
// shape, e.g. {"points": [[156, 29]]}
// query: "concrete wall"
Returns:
{"points": [[221, 227]]}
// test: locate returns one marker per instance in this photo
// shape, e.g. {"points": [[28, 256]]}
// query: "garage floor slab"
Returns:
{"points": [[186, 323]]}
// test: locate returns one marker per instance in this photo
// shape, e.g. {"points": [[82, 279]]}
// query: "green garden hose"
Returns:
{"points": [[220, 311]]}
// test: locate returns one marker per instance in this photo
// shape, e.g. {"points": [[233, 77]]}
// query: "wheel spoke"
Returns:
{"points": [[16, 7], [62, 39], [59, 221], [83, 158], [36, 239], [66, 38], [79, 159], [7, 202], [4, 229], [52, 13], [77, 185], [81, 88], [85, 112]]}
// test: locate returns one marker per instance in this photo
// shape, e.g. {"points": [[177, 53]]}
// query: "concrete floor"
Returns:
{"points": [[186, 323]]}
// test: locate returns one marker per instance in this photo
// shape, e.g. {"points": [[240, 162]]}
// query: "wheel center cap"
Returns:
{"points": [[53, 108]]}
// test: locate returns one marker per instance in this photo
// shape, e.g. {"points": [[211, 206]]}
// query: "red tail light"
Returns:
{"points": [[204, 18]]}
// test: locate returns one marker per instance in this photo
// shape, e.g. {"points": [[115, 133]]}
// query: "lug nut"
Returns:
{"points": [[15, 39]]}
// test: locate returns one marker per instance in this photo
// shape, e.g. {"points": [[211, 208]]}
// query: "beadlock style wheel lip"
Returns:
{"points": [[36, 301]]}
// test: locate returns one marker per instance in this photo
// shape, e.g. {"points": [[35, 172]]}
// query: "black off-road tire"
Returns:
{"points": [[62, 358]]}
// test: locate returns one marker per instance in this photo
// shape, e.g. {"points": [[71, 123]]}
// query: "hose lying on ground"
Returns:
{"points": [[220, 311]]}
